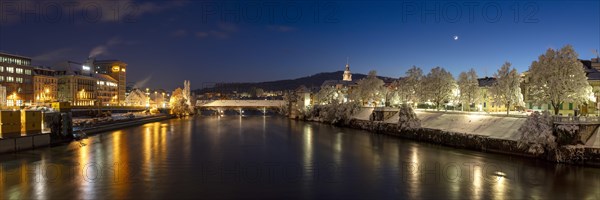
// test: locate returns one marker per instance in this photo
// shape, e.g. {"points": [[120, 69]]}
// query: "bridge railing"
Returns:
{"points": [[576, 119]]}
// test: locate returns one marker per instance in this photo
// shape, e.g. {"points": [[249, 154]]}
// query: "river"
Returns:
{"points": [[273, 157]]}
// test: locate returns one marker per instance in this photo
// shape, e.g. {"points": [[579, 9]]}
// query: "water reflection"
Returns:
{"points": [[307, 138], [166, 159]]}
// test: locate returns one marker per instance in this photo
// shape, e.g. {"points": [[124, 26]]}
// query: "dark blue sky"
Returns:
{"points": [[165, 42]]}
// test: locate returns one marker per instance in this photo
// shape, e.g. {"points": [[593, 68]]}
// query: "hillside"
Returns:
{"points": [[290, 84]]}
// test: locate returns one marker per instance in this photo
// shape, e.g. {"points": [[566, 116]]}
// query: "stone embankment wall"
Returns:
{"points": [[564, 154]]}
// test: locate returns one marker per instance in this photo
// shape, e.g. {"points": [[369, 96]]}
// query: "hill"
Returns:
{"points": [[309, 81]]}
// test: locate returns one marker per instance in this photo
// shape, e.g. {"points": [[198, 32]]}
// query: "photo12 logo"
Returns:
{"points": [[469, 11]]}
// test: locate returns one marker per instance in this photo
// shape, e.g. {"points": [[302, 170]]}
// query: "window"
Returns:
{"points": [[19, 80], [28, 71], [1, 69], [19, 71], [570, 106], [1, 78], [10, 79], [10, 69]]}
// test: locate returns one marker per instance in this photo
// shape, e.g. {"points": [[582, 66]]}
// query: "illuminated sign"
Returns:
{"points": [[116, 68], [86, 68]]}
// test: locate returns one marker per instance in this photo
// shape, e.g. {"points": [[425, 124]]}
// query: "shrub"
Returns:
{"points": [[537, 133]]}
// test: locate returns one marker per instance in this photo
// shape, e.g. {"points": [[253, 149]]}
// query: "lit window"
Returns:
{"points": [[28, 71], [10, 79], [10, 69], [19, 71], [1, 69], [19, 80]]}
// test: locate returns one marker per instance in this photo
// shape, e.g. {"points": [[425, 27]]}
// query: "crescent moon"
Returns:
{"points": [[456, 37]]}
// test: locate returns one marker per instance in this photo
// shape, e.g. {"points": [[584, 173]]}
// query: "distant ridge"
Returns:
{"points": [[309, 81]]}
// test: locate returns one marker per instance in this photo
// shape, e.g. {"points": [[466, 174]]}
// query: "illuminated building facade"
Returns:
{"points": [[76, 84], [45, 85], [16, 76], [118, 71]]}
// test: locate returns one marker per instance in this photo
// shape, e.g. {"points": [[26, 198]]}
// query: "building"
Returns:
{"points": [[2, 96], [76, 84], [107, 88], [117, 70], [486, 101], [343, 86], [45, 85], [16, 76]]}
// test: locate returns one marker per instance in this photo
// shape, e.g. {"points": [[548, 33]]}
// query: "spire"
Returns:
{"points": [[347, 75], [347, 64]]}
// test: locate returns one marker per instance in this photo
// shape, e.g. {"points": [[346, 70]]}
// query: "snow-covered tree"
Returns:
{"points": [[410, 87], [438, 86], [179, 104], [557, 77], [507, 90], [327, 95], [468, 87], [334, 113], [408, 118], [369, 89], [295, 102], [537, 133]]}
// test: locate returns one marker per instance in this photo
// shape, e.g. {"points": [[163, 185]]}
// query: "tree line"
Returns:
{"points": [[556, 77]]}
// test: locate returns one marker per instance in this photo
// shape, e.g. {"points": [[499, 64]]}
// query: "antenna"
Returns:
{"points": [[347, 59], [595, 51]]}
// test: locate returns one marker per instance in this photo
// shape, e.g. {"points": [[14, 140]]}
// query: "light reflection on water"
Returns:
{"points": [[271, 157]]}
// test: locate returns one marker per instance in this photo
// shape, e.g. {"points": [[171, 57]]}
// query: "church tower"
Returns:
{"points": [[347, 74]]}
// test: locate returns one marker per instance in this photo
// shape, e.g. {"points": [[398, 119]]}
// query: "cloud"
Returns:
{"points": [[93, 10], [54, 55], [140, 84], [282, 29], [223, 31], [103, 49], [179, 33]]}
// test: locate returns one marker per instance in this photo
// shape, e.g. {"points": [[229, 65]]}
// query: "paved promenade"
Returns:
{"points": [[494, 126]]}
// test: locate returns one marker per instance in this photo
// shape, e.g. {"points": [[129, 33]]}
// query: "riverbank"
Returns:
{"points": [[123, 124], [474, 132], [22, 143]]}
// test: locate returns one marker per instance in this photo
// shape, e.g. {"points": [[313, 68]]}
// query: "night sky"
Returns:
{"points": [[165, 42]]}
